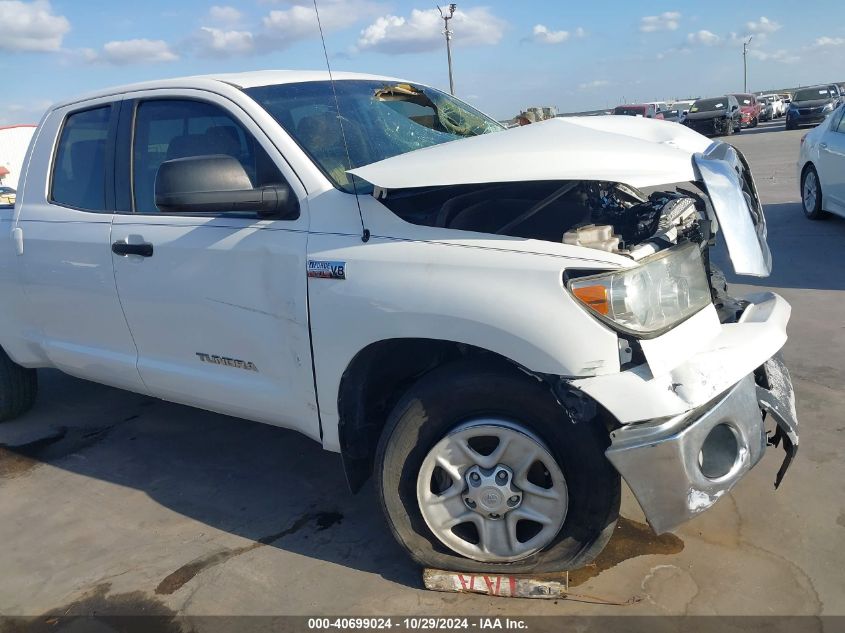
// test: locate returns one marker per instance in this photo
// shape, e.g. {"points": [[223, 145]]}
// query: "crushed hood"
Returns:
{"points": [[636, 151]]}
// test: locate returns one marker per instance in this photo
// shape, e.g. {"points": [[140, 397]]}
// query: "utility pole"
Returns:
{"points": [[745, 64], [448, 34]]}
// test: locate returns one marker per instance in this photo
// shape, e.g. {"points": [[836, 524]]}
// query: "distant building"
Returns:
{"points": [[14, 141]]}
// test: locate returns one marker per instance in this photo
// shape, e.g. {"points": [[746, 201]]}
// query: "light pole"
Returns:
{"points": [[745, 64], [448, 35]]}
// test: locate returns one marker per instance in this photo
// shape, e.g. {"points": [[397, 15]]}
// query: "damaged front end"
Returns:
{"points": [[699, 371]]}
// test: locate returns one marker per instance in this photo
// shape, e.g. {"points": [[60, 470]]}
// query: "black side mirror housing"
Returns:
{"points": [[215, 183]]}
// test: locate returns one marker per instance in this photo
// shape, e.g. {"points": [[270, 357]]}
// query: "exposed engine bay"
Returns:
{"points": [[607, 216]]}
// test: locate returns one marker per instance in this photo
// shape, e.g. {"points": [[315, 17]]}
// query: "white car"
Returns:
{"points": [[778, 105], [821, 167], [496, 324]]}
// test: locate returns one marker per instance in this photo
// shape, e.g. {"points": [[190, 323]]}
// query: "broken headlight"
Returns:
{"points": [[648, 299]]}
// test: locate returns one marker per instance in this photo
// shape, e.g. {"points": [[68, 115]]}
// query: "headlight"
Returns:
{"points": [[662, 291], [828, 107]]}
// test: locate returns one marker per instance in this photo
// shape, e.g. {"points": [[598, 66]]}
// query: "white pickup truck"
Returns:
{"points": [[495, 323]]}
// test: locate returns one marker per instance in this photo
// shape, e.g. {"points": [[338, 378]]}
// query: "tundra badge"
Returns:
{"points": [[228, 362]]}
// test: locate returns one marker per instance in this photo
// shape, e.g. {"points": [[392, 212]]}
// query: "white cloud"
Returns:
{"points": [[220, 42], [31, 26], [423, 31], [592, 85], [224, 15], [781, 55], [825, 41], [543, 35], [667, 21], [761, 27], [704, 37], [125, 52], [281, 27]]}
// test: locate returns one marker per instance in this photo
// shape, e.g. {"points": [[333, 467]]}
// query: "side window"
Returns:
{"points": [[79, 169], [168, 129]]}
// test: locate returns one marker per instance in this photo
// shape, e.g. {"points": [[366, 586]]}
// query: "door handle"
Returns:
{"points": [[823, 145], [124, 249]]}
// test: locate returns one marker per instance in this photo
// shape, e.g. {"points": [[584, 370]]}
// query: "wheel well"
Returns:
{"points": [[807, 165], [372, 384]]}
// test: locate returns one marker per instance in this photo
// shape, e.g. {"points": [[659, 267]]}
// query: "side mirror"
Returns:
{"points": [[208, 184], [734, 108]]}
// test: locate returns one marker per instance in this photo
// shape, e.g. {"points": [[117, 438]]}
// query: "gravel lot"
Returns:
{"points": [[118, 503]]}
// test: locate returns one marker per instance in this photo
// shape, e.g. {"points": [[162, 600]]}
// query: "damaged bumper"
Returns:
{"points": [[680, 467], [693, 419]]}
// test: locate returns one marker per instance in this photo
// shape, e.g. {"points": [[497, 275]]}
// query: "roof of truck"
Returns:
{"points": [[250, 79]]}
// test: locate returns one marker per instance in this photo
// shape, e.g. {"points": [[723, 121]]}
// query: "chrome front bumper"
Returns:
{"points": [[678, 468]]}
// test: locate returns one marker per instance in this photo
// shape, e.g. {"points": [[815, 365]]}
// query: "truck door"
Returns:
{"points": [[66, 211], [216, 302]]}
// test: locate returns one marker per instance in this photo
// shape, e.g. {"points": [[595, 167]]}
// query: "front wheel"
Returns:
{"points": [[479, 469]]}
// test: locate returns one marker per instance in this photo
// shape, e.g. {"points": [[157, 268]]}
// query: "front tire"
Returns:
{"points": [[811, 194], [456, 492], [18, 387]]}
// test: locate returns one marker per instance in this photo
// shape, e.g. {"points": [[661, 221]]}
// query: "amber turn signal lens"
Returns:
{"points": [[594, 297]]}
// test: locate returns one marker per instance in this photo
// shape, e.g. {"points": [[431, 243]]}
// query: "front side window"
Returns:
{"points": [[379, 120], [79, 170], [168, 129]]}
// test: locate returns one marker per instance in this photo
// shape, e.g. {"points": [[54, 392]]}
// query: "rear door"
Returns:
{"points": [[75, 318], [217, 305]]}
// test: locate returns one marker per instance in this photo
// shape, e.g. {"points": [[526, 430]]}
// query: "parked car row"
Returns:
{"points": [[730, 113]]}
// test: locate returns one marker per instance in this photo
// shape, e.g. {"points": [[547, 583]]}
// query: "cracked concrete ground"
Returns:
{"points": [[115, 502]]}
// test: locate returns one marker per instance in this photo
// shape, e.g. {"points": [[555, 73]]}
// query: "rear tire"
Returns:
{"points": [[811, 194], [442, 405], [18, 387]]}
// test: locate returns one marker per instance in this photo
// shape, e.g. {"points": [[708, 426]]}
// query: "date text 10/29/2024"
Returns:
{"points": [[417, 624]]}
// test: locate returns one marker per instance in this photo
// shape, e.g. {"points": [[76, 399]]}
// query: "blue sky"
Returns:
{"points": [[507, 55]]}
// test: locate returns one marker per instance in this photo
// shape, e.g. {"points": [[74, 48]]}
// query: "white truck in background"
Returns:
{"points": [[496, 324]]}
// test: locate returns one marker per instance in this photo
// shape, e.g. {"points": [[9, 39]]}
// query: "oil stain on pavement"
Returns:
{"points": [[97, 610], [176, 580], [630, 539], [61, 442]]}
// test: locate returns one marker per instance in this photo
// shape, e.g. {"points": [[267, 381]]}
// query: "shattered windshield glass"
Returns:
{"points": [[378, 120], [709, 105]]}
